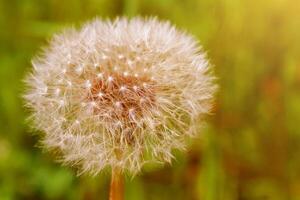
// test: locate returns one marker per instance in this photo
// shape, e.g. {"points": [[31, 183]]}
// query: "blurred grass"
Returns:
{"points": [[248, 151]]}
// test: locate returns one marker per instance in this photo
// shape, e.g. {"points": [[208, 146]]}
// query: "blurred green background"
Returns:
{"points": [[250, 148]]}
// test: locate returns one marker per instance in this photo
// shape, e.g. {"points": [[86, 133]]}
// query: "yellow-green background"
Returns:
{"points": [[250, 148]]}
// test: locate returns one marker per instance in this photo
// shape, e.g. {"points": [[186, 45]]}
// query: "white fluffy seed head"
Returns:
{"points": [[119, 116]]}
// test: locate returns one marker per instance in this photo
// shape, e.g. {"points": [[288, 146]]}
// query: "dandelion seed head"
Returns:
{"points": [[119, 94]]}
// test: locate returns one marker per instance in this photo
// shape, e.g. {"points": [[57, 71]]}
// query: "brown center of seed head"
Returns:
{"points": [[122, 99]]}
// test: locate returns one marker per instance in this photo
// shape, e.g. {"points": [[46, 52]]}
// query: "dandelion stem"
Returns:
{"points": [[116, 185]]}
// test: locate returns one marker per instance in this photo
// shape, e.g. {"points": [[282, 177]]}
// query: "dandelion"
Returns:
{"points": [[119, 94]]}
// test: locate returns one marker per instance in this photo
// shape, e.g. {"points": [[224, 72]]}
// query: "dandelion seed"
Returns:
{"points": [[129, 62], [104, 57], [118, 123], [118, 104], [88, 84], [57, 91], [122, 88], [131, 111], [100, 75], [61, 103], [93, 103], [96, 65], [100, 94], [125, 73], [69, 83], [135, 87], [45, 90], [110, 79], [142, 100], [116, 68], [79, 70]]}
